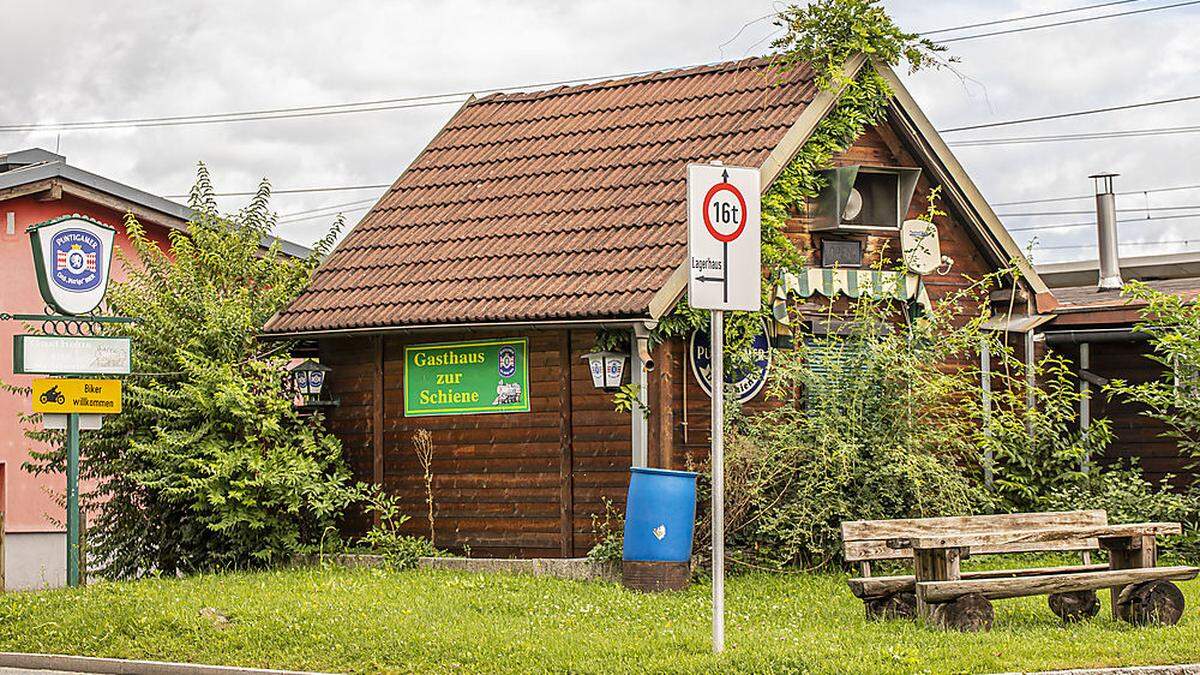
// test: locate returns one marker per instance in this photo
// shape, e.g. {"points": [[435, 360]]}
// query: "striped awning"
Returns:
{"points": [[831, 282]]}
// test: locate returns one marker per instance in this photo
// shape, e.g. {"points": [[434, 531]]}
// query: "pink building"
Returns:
{"points": [[36, 185]]}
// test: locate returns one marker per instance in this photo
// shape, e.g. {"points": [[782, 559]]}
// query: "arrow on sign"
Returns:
{"points": [[710, 278], [725, 176]]}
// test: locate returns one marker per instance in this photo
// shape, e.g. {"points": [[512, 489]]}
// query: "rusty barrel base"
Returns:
{"points": [[653, 577]]}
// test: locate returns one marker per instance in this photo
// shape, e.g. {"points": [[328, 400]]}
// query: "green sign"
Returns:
{"points": [[464, 378]]}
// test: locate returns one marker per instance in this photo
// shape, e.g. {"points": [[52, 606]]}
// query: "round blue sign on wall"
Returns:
{"points": [[746, 385]]}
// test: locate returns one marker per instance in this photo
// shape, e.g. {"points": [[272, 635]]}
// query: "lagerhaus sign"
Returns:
{"points": [[465, 378]]}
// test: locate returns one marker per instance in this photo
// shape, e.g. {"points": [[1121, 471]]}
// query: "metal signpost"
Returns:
{"points": [[724, 273], [72, 256]]}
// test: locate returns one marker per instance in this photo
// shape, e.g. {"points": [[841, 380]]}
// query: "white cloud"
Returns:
{"points": [[127, 59]]}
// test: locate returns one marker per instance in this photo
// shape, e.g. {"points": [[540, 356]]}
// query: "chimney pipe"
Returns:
{"points": [[1106, 232]]}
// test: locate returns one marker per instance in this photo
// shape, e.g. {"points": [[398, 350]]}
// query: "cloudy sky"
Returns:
{"points": [[123, 59]]}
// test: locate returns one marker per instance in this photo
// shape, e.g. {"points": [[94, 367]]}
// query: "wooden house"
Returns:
{"points": [[532, 220]]}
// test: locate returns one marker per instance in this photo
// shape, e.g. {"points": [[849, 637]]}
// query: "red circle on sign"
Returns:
{"points": [[712, 192]]}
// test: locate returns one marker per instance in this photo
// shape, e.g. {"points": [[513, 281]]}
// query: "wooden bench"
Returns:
{"points": [[943, 595]]}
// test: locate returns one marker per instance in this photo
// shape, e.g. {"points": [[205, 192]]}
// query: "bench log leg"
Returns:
{"points": [[934, 565], [1124, 554]]}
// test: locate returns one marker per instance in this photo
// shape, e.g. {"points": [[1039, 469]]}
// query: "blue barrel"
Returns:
{"points": [[660, 514]]}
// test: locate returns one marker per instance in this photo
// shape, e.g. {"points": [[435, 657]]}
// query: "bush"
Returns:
{"points": [[868, 424], [399, 551], [610, 535], [209, 466]]}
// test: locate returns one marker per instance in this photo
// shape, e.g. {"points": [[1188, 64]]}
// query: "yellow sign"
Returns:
{"points": [[76, 396]]}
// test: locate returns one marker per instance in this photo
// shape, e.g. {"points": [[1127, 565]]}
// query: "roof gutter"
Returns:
{"points": [[475, 326], [1074, 337]]}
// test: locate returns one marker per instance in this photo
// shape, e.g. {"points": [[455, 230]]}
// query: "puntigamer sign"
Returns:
{"points": [[464, 378]]}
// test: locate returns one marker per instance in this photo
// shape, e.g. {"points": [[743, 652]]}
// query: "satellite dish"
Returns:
{"points": [[854, 204], [921, 247]]}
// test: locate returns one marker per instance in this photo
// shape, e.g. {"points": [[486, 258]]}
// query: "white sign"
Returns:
{"points": [[72, 255], [87, 421], [724, 232], [74, 355], [920, 245]]}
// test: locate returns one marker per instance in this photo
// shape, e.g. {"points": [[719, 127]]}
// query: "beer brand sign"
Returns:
{"points": [[466, 378], [72, 255]]}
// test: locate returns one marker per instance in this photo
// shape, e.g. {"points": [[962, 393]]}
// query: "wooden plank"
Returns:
{"points": [[999, 589], [566, 460], [1035, 536], [879, 549], [877, 587], [934, 566], [854, 530], [377, 415], [1134, 553]]}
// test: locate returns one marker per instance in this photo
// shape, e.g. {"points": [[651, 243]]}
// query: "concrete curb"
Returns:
{"points": [[101, 666], [1183, 669], [574, 569]]}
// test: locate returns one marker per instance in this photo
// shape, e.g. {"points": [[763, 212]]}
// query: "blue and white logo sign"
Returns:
{"points": [[72, 255], [744, 384], [507, 357], [76, 260]]}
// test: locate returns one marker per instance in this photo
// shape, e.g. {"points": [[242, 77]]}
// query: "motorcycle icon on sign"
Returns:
{"points": [[52, 395]]}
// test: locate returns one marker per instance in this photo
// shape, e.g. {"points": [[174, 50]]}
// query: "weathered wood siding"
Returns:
{"points": [[1137, 436], [503, 484], [529, 484]]}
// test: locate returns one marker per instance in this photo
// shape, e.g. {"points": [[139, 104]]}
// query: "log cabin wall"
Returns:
{"points": [[506, 484], [878, 146], [529, 484], [1135, 435]]}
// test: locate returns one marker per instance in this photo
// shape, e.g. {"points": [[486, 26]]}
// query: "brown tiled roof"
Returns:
{"points": [[562, 204], [1090, 298]]}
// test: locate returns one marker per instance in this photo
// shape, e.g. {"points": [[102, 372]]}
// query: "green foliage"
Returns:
{"points": [[610, 534], [827, 33], [399, 551], [869, 424], [1038, 450], [1173, 325], [208, 466], [1128, 497]]}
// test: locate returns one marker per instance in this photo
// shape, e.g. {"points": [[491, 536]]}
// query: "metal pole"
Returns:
{"points": [[1085, 397], [73, 499], [717, 331], [985, 374]]}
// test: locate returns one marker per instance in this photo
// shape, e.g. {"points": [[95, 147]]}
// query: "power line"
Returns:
{"points": [[1089, 136], [1068, 22], [321, 215], [1063, 226], [292, 191], [1077, 113], [1048, 200], [333, 206], [1082, 213], [1123, 243], [1027, 17], [421, 101]]}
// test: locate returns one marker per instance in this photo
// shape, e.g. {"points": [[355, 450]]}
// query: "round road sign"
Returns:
{"points": [[725, 207]]}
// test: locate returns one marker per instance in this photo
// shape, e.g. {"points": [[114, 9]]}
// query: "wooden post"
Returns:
{"points": [[377, 418], [566, 462], [83, 547], [934, 565], [1130, 553], [662, 450]]}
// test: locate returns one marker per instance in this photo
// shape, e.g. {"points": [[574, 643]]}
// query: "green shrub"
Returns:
{"points": [[399, 551], [610, 535], [1128, 497]]}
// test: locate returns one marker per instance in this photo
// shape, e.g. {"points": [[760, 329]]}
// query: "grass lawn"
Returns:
{"points": [[379, 621]]}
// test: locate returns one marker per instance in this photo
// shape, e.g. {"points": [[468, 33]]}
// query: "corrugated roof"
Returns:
{"points": [[554, 205], [1090, 298]]}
